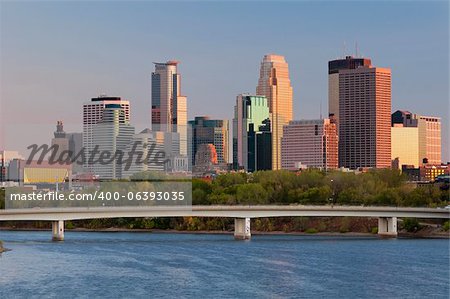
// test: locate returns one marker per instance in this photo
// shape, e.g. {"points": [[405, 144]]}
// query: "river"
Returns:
{"points": [[93, 264]]}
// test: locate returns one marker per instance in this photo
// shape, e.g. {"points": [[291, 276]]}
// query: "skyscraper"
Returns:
{"points": [[251, 114], [264, 146], [429, 128], [334, 66], [312, 143], [404, 146], [111, 136], [364, 117], [169, 107], [92, 115], [5, 159], [275, 85], [203, 130]]}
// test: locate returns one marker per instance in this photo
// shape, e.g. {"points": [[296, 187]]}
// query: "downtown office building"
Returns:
{"points": [[203, 130], [169, 107], [92, 115], [309, 144], [274, 83], [363, 94], [252, 136]]}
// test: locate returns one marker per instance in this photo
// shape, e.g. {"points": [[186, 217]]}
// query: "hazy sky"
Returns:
{"points": [[55, 56]]}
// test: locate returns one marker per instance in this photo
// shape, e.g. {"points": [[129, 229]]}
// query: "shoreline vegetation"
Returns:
{"points": [[3, 249], [333, 226]]}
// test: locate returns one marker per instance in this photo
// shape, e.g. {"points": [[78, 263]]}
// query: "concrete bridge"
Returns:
{"points": [[387, 216]]}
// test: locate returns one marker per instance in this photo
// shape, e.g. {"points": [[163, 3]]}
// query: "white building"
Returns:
{"points": [[93, 114], [111, 136]]}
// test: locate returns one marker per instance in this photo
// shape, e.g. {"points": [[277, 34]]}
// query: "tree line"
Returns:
{"points": [[381, 187]]}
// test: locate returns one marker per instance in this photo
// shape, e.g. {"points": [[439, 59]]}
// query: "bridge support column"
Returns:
{"points": [[242, 228], [387, 227], [58, 230]]}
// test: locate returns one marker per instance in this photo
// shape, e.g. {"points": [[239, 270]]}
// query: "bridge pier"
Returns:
{"points": [[387, 227], [242, 228], [58, 230]]}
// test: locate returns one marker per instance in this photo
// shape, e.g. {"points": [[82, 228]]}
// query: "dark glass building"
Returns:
{"points": [[251, 125], [264, 146], [203, 130], [348, 63]]}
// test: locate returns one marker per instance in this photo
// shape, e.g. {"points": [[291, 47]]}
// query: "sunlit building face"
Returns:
{"points": [[275, 85]]}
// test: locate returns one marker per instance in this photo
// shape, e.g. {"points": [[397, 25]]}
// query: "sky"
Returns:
{"points": [[54, 56]]}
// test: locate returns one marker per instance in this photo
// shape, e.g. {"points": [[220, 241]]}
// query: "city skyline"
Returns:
{"points": [[224, 149], [410, 85]]}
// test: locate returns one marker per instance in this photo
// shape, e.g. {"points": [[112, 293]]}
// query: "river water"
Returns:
{"points": [[150, 265]]}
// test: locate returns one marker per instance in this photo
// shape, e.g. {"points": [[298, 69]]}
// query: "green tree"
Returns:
{"points": [[252, 193], [411, 224], [276, 183], [219, 198], [388, 197], [199, 197], [423, 196], [230, 179], [202, 185], [391, 177], [350, 196], [315, 195], [310, 178], [446, 226]]}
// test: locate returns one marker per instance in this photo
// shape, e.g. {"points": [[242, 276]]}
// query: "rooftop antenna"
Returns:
{"points": [[321, 109], [356, 49]]}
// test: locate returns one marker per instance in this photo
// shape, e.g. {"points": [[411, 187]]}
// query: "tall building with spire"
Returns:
{"points": [[169, 107], [275, 85]]}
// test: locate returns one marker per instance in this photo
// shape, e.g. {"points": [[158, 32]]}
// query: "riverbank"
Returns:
{"points": [[3, 249], [334, 226]]}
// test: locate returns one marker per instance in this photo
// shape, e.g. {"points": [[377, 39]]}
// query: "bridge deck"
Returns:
{"points": [[236, 211]]}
